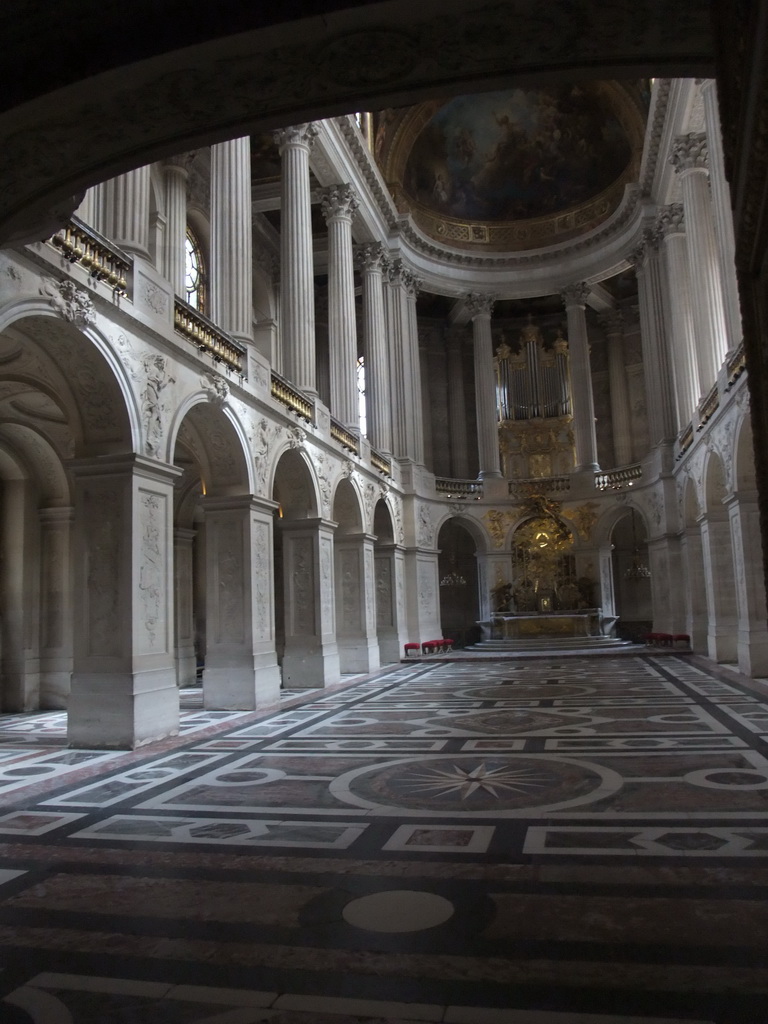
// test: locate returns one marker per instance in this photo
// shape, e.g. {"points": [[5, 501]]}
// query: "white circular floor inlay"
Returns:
{"points": [[401, 910]]}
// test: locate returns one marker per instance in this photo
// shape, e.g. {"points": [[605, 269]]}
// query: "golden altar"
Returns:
{"points": [[546, 624]]}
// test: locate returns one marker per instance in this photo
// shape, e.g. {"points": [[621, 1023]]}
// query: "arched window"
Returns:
{"points": [[194, 273]]}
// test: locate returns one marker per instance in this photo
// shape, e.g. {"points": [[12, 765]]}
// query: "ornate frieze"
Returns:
{"points": [[480, 305], [575, 294], [74, 304]]}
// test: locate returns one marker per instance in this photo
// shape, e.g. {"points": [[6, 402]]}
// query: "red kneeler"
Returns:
{"points": [[411, 647]]}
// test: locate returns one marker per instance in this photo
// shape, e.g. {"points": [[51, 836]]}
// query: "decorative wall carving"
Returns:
{"points": [[425, 529], [229, 577], [74, 304], [154, 379], [300, 598], [153, 571], [262, 579], [103, 534], [384, 609], [216, 388]]}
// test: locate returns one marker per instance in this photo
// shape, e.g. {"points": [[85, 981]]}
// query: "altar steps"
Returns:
{"points": [[553, 645]]}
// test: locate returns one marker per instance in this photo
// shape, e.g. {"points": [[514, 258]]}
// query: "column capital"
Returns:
{"points": [[371, 257], [182, 162], [690, 152], [671, 220], [399, 274], [645, 247], [302, 135], [479, 305], [611, 320], [575, 294], [339, 201], [269, 262]]}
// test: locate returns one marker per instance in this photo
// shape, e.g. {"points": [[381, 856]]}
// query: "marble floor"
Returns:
{"points": [[558, 840]]}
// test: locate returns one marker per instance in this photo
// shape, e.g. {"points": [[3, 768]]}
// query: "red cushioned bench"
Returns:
{"points": [[409, 648]]}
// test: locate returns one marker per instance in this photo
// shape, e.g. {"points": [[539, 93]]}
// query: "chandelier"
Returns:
{"points": [[453, 579]]}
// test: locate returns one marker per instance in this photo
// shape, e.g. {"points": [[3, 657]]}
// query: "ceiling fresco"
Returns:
{"points": [[515, 168]]}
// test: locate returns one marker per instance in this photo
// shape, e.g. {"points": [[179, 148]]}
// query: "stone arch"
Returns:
{"points": [[389, 576], [458, 541], [693, 567], [294, 485], [348, 511], [717, 551], [475, 529], [234, 470], [78, 369], [714, 483], [691, 510], [206, 443], [744, 456], [633, 595], [353, 552]]}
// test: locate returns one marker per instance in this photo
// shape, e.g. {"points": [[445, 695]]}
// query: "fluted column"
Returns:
{"points": [[575, 300], [297, 309], [126, 213], [677, 296], [690, 160], [175, 174], [412, 285], [400, 306], [339, 203], [657, 366], [457, 411], [480, 309], [613, 323], [231, 238], [721, 204], [375, 350]]}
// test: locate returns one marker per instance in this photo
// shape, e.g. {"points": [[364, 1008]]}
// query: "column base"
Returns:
{"points": [[307, 665], [186, 666], [391, 647], [752, 652], [239, 686], [358, 654], [121, 711], [55, 687], [721, 646]]}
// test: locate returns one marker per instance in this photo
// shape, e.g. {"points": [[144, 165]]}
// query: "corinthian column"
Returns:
{"points": [[339, 203], [297, 309], [690, 160], [175, 174], [457, 411], [721, 203], [400, 302], [575, 300], [480, 308], [657, 368], [677, 293], [126, 208], [370, 259], [231, 238], [612, 322]]}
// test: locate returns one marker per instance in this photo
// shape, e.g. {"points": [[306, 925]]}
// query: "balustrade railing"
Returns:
{"points": [[380, 462], [543, 485], [79, 243], [736, 365], [708, 407], [292, 399], [345, 438], [686, 440], [618, 479], [461, 489], [198, 329]]}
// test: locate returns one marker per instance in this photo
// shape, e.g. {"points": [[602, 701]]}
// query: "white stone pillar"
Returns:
{"points": [[678, 302], [722, 615], [400, 306], [612, 322], [231, 274], [657, 366], [56, 606], [457, 408], [183, 558], [339, 203], [391, 626], [746, 540], [667, 598], [696, 590], [721, 204], [356, 603], [240, 664], [480, 309], [375, 348], [175, 174], [690, 159], [422, 592], [297, 309], [311, 656], [124, 690], [575, 300], [126, 220]]}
